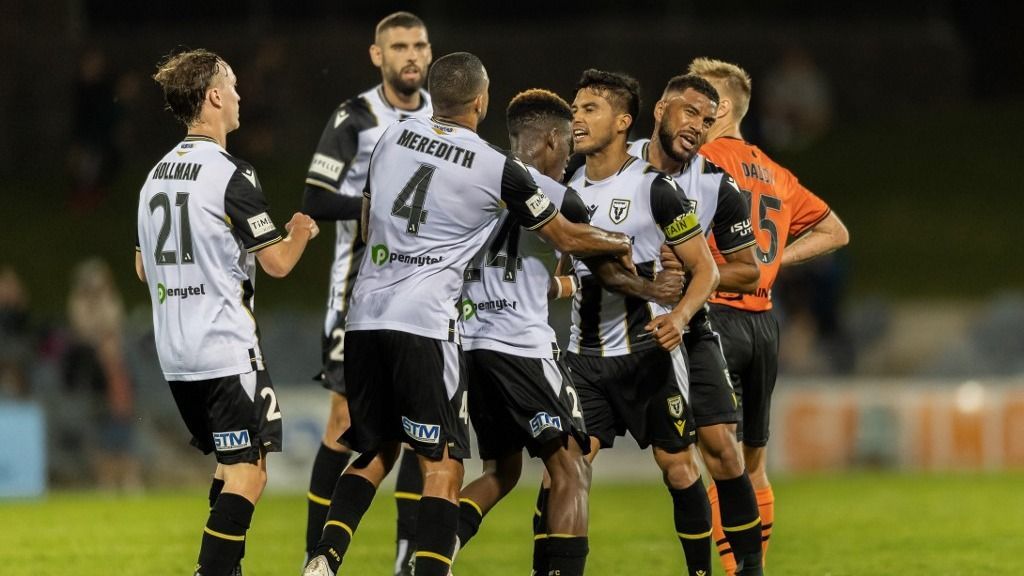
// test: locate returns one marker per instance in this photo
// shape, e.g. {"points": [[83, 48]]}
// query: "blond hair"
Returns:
{"points": [[728, 78]]}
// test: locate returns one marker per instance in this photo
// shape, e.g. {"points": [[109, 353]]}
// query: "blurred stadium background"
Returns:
{"points": [[903, 352]]}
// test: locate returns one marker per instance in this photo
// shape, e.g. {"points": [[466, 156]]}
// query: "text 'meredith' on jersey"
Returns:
{"points": [[201, 216], [505, 298], [780, 209], [647, 206], [340, 165], [436, 192]]}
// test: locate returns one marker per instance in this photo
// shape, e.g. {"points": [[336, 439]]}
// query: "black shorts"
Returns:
{"points": [[751, 343], [643, 393], [406, 388], [332, 352], [712, 398], [237, 417], [518, 402]]}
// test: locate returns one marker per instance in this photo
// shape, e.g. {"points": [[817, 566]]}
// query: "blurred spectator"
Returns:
{"points": [[95, 372], [15, 335], [93, 158], [796, 105], [810, 299]]}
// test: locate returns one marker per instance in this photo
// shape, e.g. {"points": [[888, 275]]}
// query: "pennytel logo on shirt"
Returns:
{"points": [[163, 292], [381, 255]]}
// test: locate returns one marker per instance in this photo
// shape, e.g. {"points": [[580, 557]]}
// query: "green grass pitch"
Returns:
{"points": [[856, 525]]}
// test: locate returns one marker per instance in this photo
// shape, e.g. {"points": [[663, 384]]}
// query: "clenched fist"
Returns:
{"points": [[300, 221]]}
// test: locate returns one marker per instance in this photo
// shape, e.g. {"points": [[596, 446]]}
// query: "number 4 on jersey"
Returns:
{"points": [[416, 188]]}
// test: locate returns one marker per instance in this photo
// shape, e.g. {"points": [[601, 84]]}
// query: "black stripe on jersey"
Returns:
{"points": [[200, 138], [629, 162], [590, 313], [638, 314], [731, 225], [339, 141], [711, 168], [355, 256]]}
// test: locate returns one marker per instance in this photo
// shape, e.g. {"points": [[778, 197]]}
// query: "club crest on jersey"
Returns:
{"points": [[228, 441], [675, 406], [618, 210], [542, 421], [426, 433]]}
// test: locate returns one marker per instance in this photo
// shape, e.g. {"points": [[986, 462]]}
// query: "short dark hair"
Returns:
{"points": [[185, 77], [683, 81], [533, 107], [454, 81], [398, 20], [621, 90]]}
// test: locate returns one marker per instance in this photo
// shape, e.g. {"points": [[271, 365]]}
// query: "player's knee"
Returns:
{"points": [[507, 472], [679, 470], [569, 467], [245, 479]]}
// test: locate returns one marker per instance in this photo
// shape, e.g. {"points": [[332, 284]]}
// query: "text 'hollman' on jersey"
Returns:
{"points": [[176, 171], [436, 148]]}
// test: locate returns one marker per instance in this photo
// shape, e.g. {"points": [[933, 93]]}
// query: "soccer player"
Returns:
{"points": [[782, 209], [434, 194], [682, 118], [333, 192], [624, 351], [520, 394], [202, 223]]}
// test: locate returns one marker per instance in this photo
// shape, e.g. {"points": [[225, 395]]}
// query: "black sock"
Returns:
{"points": [[352, 496], [566, 556], [215, 487], [224, 535], [692, 513], [469, 521], [540, 533], [435, 536], [408, 487], [741, 521], [327, 467]]}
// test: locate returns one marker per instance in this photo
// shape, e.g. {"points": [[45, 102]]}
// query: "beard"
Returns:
{"points": [[667, 140], [405, 87]]}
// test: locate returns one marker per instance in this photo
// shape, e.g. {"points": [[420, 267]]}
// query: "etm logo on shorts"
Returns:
{"points": [[228, 441], [542, 421], [426, 433]]}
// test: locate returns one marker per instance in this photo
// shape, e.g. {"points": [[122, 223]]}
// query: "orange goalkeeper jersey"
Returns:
{"points": [[780, 209]]}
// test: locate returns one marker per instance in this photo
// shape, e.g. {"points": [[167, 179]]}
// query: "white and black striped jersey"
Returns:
{"points": [[505, 298], [645, 205], [340, 165], [720, 206], [436, 192], [722, 210], [201, 217]]}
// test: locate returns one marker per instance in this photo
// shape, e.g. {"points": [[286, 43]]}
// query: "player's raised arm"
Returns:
{"points": [[684, 236], [826, 236], [734, 240], [140, 271], [522, 196], [279, 258]]}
